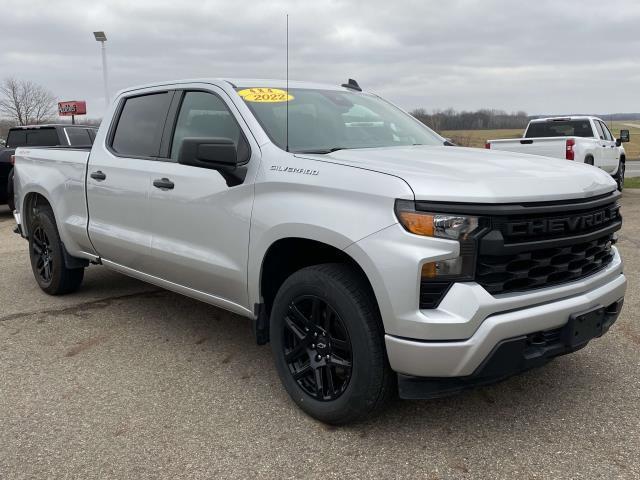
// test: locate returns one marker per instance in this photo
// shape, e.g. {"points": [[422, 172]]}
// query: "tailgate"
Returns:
{"points": [[547, 147]]}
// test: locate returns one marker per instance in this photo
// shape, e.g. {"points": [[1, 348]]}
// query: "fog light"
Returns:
{"points": [[443, 268]]}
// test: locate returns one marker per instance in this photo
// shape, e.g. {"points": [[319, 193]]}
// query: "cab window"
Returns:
{"points": [[607, 133], [599, 129], [203, 115], [139, 128]]}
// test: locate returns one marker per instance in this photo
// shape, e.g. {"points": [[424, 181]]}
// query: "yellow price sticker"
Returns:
{"points": [[268, 95]]}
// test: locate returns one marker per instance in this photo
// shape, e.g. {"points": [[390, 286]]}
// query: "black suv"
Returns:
{"points": [[38, 136]]}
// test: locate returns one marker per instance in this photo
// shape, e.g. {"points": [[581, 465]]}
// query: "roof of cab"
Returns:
{"points": [[240, 83], [566, 117], [51, 125]]}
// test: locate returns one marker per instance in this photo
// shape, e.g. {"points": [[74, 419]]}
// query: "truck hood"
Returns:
{"points": [[457, 174]]}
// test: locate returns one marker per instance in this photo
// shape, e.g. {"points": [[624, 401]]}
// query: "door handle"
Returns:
{"points": [[99, 175], [163, 183]]}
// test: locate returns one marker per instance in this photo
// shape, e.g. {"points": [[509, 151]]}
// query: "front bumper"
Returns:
{"points": [[459, 358], [518, 354]]}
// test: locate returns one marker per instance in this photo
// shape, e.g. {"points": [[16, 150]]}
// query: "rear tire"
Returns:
{"points": [[588, 160], [46, 252], [619, 176], [328, 344]]}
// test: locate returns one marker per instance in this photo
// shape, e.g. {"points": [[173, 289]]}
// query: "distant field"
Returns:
{"points": [[633, 147], [476, 138]]}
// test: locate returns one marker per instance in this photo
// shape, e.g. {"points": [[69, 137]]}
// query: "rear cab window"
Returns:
{"points": [[33, 137], [139, 127], [560, 128]]}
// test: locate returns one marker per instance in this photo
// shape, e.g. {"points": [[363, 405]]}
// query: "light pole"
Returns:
{"points": [[101, 37]]}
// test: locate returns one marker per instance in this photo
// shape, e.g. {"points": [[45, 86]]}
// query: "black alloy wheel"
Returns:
{"points": [[47, 255], [327, 340], [42, 255], [317, 348]]}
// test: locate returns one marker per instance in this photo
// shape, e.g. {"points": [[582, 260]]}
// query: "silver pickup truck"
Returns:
{"points": [[371, 256]]}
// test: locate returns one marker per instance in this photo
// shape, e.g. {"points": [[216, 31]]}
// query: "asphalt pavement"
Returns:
{"points": [[632, 169], [123, 380]]}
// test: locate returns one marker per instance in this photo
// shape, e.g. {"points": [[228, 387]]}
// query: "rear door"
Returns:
{"points": [[118, 180], [201, 224], [601, 159]]}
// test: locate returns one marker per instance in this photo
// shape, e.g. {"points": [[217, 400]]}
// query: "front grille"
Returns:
{"points": [[524, 246], [520, 251], [541, 268]]}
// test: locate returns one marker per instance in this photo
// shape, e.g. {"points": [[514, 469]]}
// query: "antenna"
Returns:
{"points": [[287, 95]]}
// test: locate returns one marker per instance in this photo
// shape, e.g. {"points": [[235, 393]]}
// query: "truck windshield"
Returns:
{"points": [[322, 121], [560, 128]]}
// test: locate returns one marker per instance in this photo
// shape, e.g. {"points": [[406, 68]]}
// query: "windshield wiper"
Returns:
{"points": [[322, 151]]}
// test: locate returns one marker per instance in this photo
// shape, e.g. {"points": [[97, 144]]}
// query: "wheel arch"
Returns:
{"points": [[290, 254], [30, 202]]}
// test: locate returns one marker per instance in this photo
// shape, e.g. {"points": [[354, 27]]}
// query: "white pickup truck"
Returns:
{"points": [[582, 139], [370, 255]]}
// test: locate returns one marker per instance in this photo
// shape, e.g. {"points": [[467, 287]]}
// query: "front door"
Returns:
{"points": [[201, 224]]}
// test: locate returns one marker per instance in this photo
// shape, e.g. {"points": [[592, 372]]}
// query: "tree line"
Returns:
{"points": [[485, 119]]}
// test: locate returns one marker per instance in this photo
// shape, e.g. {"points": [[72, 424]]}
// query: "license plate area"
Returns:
{"points": [[584, 326]]}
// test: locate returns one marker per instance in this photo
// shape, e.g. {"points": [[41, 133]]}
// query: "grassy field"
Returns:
{"points": [[632, 182], [476, 138]]}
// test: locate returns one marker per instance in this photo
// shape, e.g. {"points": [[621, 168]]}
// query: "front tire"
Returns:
{"points": [[47, 256], [619, 176], [328, 344]]}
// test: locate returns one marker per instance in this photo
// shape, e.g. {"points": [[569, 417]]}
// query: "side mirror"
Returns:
{"points": [[213, 153], [217, 154], [624, 137]]}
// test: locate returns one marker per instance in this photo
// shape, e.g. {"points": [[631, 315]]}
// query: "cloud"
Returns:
{"points": [[541, 57]]}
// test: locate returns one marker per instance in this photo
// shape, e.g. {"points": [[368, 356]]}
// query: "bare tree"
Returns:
{"points": [[25, 102]]}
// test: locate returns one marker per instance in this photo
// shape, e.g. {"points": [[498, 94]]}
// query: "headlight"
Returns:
{"points": [[442, 225], [450, 226]]}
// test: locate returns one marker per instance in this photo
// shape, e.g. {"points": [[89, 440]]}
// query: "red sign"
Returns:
{"points": [[66, 109]]}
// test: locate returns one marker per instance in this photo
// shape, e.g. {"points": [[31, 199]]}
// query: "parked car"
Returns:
{"points": [[581, 139], [370, 255], [38, 135]]}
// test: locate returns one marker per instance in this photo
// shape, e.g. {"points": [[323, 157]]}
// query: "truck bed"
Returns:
{"points": [[61, 173]]}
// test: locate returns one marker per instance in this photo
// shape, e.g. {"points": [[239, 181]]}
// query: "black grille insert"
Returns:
{"points": [[522, 252], [431, 293]]}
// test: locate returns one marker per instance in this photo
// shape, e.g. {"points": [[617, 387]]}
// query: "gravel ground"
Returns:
{"points": [[123, 380]]}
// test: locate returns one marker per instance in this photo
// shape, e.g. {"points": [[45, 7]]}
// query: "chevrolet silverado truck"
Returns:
{"points": [[37, 135], [581, 139], [375, 259]]}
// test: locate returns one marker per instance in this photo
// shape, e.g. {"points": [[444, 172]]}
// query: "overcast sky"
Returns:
{"points": [[538, 56]]}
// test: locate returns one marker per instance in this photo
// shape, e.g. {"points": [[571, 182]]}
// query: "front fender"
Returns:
{"points": [[337, 205]]}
